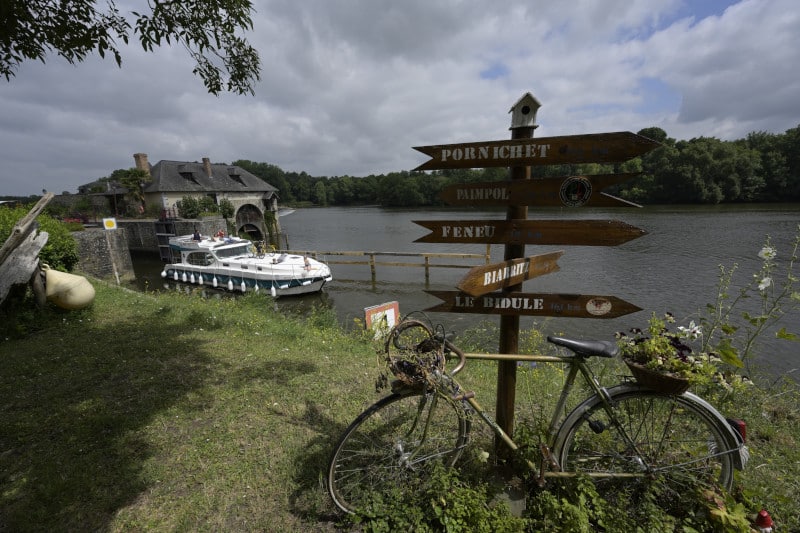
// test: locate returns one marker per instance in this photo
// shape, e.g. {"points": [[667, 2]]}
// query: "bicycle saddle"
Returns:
{"points": [[587, 348]]}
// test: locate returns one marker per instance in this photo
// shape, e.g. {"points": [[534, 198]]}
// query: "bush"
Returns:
{"points": [[189, 207], [61, 250], [440, 502]]}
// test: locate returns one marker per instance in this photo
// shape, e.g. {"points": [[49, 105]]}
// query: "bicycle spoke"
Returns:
{"points": [[669, 445], [388, 444]]}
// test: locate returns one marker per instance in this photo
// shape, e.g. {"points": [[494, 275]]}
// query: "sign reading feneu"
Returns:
{"points": [[487, 278], [550, 232], [530, 304], [569, 149], [566, 191]]}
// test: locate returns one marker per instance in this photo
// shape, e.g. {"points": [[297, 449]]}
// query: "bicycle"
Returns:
{"points": [[624, 436]]}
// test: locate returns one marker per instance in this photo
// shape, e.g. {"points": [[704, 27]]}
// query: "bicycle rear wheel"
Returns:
{"points": [[387, 444], [664, 447]]}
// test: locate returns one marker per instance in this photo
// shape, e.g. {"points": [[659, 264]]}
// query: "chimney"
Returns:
{"points": [[141, 162], [207, 166]]}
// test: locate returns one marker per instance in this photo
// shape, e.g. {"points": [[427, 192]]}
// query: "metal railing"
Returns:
{"points": [[372, 259]]}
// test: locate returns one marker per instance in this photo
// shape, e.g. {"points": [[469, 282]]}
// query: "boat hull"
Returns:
{"points": [[234, 282]]}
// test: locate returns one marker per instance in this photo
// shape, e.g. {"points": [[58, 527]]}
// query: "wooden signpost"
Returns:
{"points": [[571, 149], [555, 232], [530, 304], [497, 288], [486, 278], [567, 191]]}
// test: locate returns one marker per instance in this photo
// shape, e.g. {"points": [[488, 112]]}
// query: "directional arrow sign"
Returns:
{"points": [[519, 303], [558, 232], [569, 149], [570, 191], [487, 278]]}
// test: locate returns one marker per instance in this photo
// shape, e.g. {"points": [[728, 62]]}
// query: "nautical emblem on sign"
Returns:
{"points": [[598, 306], [575, 191]]}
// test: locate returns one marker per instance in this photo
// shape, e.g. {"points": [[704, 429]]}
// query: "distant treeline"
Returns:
{"points": [[763, 167]]}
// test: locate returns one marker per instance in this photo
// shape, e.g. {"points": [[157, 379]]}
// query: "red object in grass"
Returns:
{"points": [[764, 520]]}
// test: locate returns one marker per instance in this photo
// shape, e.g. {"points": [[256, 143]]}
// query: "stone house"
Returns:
{"points": [[251, 196]]}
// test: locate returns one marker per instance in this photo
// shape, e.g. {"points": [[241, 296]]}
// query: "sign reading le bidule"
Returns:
{"points": [[531, 304]]}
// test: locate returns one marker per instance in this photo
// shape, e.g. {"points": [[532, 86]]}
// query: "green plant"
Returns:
{"points": [[440, 502], [189, 207], [734, 331], [657, 348], [226, 208], [61, 250]]}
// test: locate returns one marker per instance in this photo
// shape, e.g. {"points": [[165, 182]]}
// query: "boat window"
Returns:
{"points": [[233, 251], [200, 258]]}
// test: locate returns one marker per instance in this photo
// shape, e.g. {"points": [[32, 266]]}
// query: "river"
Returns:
{"points": [[674, 267]]}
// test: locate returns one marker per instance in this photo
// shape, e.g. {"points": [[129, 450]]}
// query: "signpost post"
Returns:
{"points": [[497, 288]]}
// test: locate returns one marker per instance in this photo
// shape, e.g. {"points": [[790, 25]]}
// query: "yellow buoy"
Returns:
{"points": [[68, 291]]}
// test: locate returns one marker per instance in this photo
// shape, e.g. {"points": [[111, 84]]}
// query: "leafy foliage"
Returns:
{"points": [[764, 167], [207, 29], [61, 250], [189, 207], [735, 322], [441, 502]]}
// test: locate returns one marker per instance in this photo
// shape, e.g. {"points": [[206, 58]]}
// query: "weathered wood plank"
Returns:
{"points": [[568, 149], [528, 304], [21, 262], [487, 278], [569, 191], [555, 232], [26, 224]]}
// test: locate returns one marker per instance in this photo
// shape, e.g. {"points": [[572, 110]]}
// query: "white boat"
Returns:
{"points": [[238, 265]]}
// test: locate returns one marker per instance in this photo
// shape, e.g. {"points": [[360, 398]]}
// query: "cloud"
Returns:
{"points": [[351, 87]]}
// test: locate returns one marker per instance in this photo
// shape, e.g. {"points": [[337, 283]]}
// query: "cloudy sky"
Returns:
{"points": [[349, 87]]}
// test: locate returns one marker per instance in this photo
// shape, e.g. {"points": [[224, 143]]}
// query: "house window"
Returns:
{"points": [[189, 176], [237, 178]]}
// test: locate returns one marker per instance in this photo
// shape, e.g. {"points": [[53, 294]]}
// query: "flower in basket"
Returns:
{"points": [[667, 352]]}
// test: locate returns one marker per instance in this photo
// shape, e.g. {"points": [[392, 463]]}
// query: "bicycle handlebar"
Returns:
{"points": [[462, 359]]}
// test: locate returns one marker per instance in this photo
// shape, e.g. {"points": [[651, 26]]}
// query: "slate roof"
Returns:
{"points": [[182, 176]]}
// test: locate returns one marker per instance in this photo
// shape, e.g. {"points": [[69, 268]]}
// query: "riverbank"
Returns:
{"points": [[169, 412]]}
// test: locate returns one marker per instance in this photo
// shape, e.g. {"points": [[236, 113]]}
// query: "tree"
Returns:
{"points": [[75, 29], [226, 208], [134, 180], [320, 193]]}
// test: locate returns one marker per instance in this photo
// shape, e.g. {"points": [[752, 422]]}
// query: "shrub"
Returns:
{"points": [[61, 250]]}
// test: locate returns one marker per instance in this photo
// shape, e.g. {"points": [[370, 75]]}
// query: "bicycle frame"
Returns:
{"points": [[576, 364]]}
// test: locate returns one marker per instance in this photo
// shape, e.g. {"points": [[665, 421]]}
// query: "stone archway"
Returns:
{"points": [[250, 220]]}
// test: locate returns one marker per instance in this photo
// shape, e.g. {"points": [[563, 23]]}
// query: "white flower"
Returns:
{"points": [[767, 253], [764, 283], [692, 332]]}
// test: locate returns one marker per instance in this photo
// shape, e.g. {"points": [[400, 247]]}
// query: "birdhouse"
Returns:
{"points": [[523, 113]]}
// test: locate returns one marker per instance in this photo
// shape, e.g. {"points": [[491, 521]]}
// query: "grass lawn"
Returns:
{"points": [[171, 413]]}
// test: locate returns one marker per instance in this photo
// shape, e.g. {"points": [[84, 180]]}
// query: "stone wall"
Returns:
{"points": [[104, 254], [141, 234]]}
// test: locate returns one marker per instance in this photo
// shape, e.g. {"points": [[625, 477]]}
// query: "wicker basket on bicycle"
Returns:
{"points": [[414, 354]]}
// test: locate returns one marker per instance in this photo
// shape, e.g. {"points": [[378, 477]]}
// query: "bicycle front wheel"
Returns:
{"points": [[397, 438], [649, 445]]}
